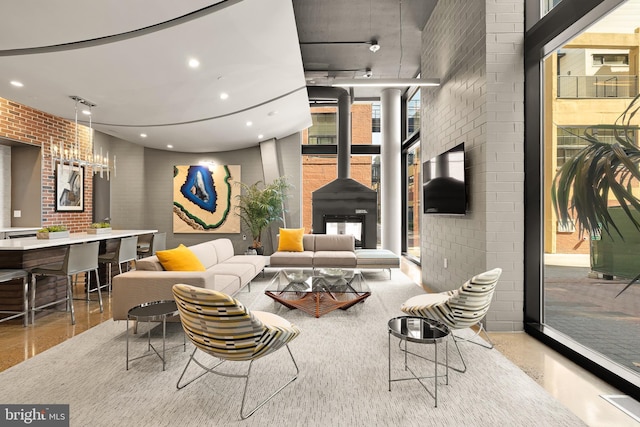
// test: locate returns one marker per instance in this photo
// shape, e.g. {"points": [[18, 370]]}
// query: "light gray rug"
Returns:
{"points": [[343, 377]]}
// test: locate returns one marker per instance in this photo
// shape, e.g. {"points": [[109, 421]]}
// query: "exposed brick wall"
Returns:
{"points": [[318, 171], [25, 124], [475, 48]]}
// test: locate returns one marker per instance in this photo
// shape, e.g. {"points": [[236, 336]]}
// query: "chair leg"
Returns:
{"points": [[246, 385], [207, 370], [194, 360], [70, 300], [33, 299], [98, 286]]}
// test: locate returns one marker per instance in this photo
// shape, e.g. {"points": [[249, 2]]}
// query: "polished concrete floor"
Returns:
{"points": [[576, 388]]}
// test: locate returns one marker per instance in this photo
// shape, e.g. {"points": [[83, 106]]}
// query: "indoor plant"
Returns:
{"points": [[52, 232], [99, 228], [259, 205], [583, 185]]}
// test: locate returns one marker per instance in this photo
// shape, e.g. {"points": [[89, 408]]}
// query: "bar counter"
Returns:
{"points": [[29, 252]]}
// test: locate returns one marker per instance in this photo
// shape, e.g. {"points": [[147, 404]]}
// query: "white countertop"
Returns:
{"points": [[18, 229], [28, 243]]}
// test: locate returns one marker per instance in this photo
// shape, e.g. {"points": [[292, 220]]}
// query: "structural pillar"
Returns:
{"points": [[390, 176]]}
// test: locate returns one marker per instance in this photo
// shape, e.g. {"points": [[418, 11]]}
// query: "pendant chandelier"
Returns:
{"points": [[73, 154]]}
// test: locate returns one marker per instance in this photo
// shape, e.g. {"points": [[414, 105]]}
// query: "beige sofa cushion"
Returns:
{"points": [[245, 272], [206, 253], [223, 249], [334, 242], [151, 263], [292, 259], [334, 259], [257, 261]]}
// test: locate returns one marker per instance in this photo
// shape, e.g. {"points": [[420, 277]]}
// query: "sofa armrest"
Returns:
{"points": [[136, 287]]}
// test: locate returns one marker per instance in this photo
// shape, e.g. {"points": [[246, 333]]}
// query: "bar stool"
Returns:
{"points": [[81, 258], [125, 252], [8, 275], [156, 242]]}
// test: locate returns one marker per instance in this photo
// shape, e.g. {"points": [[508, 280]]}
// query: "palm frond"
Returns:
{"points": [[584, 185]]}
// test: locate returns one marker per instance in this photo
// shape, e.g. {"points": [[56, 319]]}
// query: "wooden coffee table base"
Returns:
{"points": [[318, 303]]}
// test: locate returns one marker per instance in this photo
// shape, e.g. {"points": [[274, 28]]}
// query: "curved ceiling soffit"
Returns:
{"points": [[204, 119], [127, 35]]}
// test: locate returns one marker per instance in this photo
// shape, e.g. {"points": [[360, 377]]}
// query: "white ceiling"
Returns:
{"points": [[130, 59]]}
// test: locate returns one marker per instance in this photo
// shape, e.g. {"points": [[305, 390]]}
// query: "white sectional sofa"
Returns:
{"points": [[225, 272]]}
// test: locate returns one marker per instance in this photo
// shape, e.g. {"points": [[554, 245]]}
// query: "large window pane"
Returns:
{"points": [[414, 186], [588, 84], [319, 170]]}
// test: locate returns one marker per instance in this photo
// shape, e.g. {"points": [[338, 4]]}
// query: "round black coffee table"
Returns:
{"points": [[422, 331], [156, 311]]}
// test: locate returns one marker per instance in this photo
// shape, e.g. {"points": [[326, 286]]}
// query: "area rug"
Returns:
{"points": [[343, 381]]}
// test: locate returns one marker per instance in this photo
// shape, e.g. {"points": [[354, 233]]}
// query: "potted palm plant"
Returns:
{"points": [[598, 174], [259, 205]]}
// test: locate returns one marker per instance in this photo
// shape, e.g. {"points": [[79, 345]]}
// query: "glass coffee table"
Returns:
{"points": [[320, 291]]}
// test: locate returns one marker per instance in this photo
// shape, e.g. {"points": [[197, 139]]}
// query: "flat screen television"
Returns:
{"points": [[444, 189]]}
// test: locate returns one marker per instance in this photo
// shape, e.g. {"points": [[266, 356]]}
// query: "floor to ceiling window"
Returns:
{"points": [[413, 212], [588, 82], [412, 177], [320, 167]]}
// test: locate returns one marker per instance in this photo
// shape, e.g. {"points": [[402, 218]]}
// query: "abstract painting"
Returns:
{"points": [[204, 199]]}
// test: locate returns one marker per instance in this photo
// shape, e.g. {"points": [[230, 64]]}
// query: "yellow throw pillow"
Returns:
{"points": [[179, 259], [291, 240]]}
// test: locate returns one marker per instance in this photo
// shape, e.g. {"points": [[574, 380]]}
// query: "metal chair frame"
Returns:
{"points": [[126, 251], [82, 258], [8, 275]]}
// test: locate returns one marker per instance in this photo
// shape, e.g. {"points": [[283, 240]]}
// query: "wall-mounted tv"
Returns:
{"points": [[444, 190]]}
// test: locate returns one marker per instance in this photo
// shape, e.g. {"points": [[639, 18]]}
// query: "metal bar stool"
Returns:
{"points": [[156, 242], [8, 275], [125, 252], [81, 258]]}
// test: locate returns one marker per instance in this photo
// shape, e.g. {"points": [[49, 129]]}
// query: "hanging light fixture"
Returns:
{"points": [[74, 155]]}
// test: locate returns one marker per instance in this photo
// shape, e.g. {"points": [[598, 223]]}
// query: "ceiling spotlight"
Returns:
{"points": [[169, 146], [86, 112], [143, 135], [249, 123], [367, 74], [194, 63], [260, 136], [224, 95], [16, 83], [374, 46]]}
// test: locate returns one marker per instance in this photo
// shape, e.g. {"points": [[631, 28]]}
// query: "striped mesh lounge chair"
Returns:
{"points": [[460, 308], [221, 326]]}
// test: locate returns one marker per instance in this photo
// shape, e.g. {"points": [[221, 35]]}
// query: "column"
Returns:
{"points": [[390, 176]]}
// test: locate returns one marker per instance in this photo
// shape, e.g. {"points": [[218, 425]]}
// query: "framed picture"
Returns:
{"points": [[69, 188]]}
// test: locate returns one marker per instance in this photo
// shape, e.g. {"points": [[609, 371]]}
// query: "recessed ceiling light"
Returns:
{"points": [[169, 146], [249, 123], [144, 135], [194, 63], [260, 136], [86, 112], [16, 83], [224, 95]]}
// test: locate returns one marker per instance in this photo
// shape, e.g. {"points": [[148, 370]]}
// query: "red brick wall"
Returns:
{"points": [[318, 171], [25, 124]]}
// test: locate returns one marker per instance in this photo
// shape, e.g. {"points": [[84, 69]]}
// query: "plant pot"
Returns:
{"points": [[99, 230], [52, 235], [259, 251]]}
